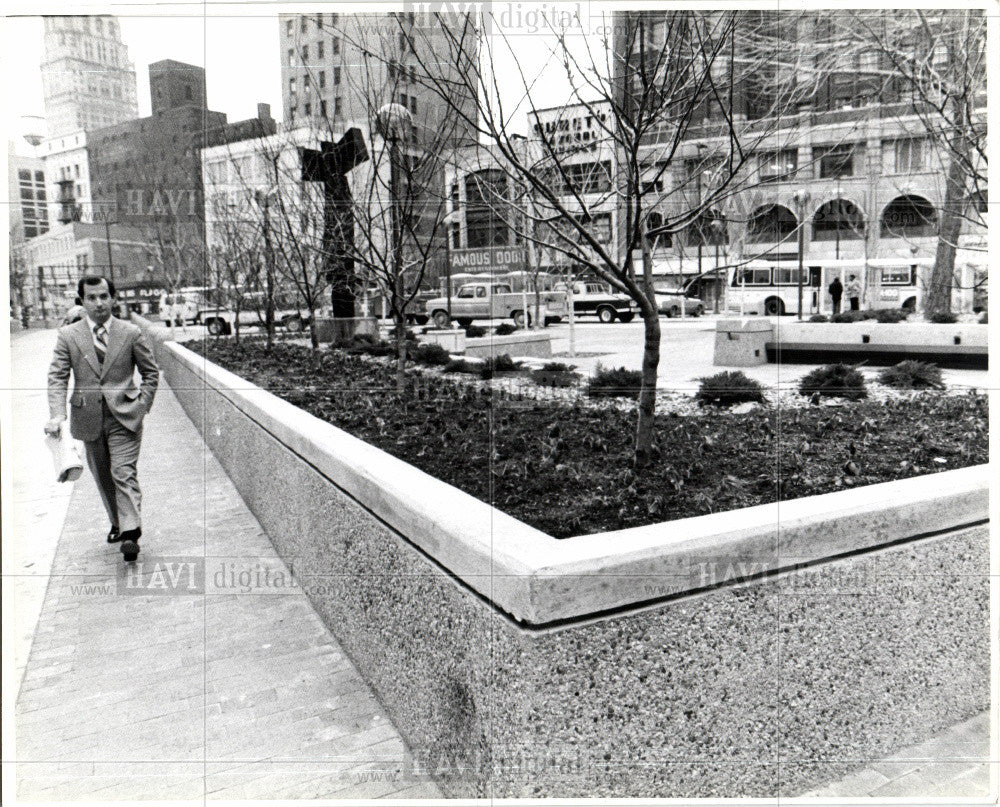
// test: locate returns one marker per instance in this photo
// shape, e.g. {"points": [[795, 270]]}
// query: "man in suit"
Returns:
{"points": [[106, 408]]}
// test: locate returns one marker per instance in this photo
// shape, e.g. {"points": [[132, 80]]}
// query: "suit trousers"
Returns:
{"points": [[112, 459]]}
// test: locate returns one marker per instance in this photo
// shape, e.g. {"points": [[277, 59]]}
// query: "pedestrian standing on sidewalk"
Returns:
{"points": [[106, 408], [853, 290], [836, 292]]}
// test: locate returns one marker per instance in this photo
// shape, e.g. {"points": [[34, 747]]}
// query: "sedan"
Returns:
{"points": [[669, 304]]}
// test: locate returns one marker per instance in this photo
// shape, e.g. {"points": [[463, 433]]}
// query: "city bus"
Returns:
{"points": [[772, 288]]}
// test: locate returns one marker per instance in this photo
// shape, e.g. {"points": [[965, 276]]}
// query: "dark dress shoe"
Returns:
{"points": [[130, 544], [114, 536]]}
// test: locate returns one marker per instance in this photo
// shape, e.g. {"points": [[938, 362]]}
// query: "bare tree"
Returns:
{"points": [[666, 79], [399, 207], [936, 61]]}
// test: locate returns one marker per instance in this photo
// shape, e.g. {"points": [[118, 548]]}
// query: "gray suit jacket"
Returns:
{"points": [[114, 381]]}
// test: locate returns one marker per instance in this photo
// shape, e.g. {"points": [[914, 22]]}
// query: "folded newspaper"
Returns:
{"points": [[65, 457]]}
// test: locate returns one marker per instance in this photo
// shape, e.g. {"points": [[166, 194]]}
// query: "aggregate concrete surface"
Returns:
{"points": [[139, 689]]}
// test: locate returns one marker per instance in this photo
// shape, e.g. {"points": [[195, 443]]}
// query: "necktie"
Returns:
{"points": [[101, 345]]}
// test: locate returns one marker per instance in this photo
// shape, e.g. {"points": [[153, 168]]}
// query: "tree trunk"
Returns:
{"points": [[313, 338], [938, 297], [645, 433], [400, 352]]}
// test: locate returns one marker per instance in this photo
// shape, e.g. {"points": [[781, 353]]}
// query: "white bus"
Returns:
{"points": [[772, 288]]}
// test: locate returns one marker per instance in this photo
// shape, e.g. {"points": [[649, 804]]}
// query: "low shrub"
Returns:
{"points": [[819, 318], [728, 388], [498, 364], [614, 383], [888, 315], [835, 381], [912, 375], [943, 317], [462, 366], [475, 331], [853, 316], [430, 354], [555, 374], [984, 319], [506, 328]]}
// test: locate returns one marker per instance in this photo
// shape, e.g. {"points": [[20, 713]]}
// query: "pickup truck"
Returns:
{"points": [[597, 298], [222, 319], [486, 300]]}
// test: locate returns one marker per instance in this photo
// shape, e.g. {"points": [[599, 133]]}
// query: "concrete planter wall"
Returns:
{"points": [[522, 343], [752, 653], [738, 342], [453, 341]]}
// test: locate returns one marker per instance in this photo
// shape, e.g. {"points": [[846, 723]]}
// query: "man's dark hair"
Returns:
{"points": [[93, 280]]}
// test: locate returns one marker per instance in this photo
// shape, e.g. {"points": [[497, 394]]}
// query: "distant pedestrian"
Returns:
{"points": [[853, 289], [836, 292]]}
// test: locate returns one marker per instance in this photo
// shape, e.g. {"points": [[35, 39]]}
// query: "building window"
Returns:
{"points": [[413, 104], [302, 23], [908, 216], [188, 95], [319, 50], [337, 107], [305, 83], [322, 79], [289, 28], [835, 161], [911, 156], [775, 166], [335, 46], [291, 57], [403, 99], [305, 54], [308, 109], [291, 86], [322, 108], [771, 224]]}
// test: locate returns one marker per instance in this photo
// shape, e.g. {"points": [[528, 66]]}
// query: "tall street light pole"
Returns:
{"points": [[802, 199]]}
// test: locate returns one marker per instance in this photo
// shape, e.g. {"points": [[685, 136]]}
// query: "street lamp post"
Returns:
{"points": [[802, 199], [107, 240], [394, 121]]}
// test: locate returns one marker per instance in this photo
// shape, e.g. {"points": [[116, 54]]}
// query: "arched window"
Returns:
{"points": [[909, 217], [771, 223], [838, 220]]}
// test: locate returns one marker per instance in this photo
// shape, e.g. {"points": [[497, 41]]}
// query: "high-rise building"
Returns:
{"points": [[87, 78], [29, 215], [339, 69]]}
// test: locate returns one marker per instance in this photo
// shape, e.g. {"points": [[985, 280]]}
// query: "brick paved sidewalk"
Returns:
{"points": [[141, 687], [952, 764]]}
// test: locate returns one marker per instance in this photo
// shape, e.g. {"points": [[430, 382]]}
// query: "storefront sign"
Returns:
{"points": [[488, 259]]}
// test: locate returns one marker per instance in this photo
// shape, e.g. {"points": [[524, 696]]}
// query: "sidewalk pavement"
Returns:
{"points": [[954, 764], [141, 687]]}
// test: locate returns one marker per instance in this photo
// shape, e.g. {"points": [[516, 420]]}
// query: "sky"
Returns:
{"points": [[238, 45], [239, 54]]}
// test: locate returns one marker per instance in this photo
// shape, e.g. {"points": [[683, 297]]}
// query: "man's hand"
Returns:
{"points": [[54, 426]]}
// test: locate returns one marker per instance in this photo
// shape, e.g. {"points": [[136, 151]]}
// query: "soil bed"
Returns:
{"points": [[565, 467]]}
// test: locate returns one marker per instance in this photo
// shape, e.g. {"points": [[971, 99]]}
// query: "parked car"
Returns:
{"points": [[182, 306], [672, 297], [591, 298]]}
